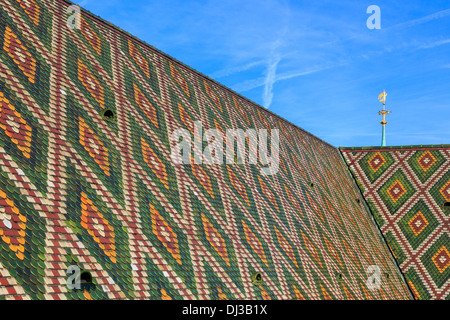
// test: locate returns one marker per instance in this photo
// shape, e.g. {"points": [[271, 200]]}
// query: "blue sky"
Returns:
{"points": [[314, 63]]}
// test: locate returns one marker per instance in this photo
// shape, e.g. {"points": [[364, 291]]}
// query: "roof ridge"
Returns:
{"points": [[117, 28], [420, 146]]}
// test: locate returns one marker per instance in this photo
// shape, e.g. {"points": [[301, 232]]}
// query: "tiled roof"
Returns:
{"points": [[429, 146], [180, 63], [408, 190], [82, 193]]}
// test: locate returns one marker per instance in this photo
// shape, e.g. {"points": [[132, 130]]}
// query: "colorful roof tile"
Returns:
{"points": [[95, 208], [410, 199]]}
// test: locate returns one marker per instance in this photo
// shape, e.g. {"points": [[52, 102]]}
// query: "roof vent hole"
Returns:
{"points": [[447, 207], [86, 277], [109, 115], [256, 278]]}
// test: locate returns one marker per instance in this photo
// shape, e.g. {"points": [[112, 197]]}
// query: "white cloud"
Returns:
{"points": [[262, 81], [237, 69], [433, 16], [434, 44], [295, 74], [270, 80]]}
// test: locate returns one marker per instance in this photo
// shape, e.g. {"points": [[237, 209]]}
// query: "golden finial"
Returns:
{"points": [[382, 98]]}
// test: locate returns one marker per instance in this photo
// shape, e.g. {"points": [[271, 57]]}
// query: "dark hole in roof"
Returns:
{"points": [[256, 278], [447, 207], [109, 114], [86, 277]]}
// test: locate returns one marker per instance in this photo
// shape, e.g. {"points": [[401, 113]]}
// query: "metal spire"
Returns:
{"points": [[382, 98]]}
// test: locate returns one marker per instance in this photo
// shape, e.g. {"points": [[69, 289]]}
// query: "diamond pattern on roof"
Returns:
{"points": [[104, 196], [436, 260], [426, 163], [396, 191], [24, 61], [407, 199]]}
